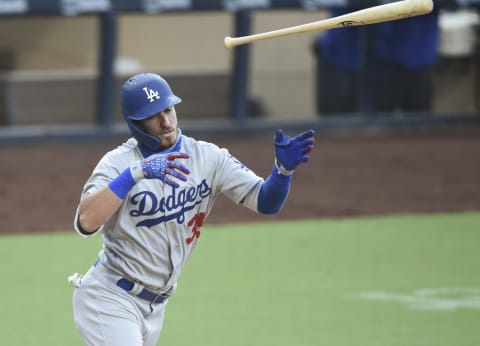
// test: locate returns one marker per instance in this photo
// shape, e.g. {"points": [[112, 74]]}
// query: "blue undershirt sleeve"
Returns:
{"points": [[273, 192]]}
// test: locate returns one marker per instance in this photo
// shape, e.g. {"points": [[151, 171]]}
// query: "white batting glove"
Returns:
{"points": [[75, 279]]}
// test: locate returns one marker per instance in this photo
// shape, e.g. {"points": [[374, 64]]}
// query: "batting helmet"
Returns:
{"points": [[142, 96]]}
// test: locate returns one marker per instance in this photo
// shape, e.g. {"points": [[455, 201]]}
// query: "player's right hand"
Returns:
{"points": [[162, 165]]}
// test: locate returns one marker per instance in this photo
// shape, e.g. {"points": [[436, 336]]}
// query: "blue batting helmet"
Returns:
{"points": [[142, 96]]}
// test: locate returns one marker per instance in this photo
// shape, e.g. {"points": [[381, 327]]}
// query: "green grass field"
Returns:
{"points": [[389, 281]]}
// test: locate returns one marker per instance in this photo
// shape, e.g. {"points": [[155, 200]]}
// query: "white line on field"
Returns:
{"points": [[451, 298]]}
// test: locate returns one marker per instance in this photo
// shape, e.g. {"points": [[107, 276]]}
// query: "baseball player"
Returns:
{"points": [[150, 197]]}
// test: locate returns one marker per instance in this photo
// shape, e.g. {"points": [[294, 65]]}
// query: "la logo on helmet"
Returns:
{"points": [[152, 95]]}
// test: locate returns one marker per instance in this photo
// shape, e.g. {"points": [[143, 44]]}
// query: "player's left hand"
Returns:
{"points": [[290, 152]]}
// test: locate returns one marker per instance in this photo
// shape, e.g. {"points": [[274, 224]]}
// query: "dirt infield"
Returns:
{"points": [[363, 175]]}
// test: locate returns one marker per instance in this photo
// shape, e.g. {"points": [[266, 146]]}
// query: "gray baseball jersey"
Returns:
{"points": [[154, 232]]}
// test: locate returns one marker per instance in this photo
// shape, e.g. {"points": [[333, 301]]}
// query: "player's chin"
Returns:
{"points": [[168, 139]]}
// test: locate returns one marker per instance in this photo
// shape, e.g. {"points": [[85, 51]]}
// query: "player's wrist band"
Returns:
{"points": [[122, 184], [282, 170]]}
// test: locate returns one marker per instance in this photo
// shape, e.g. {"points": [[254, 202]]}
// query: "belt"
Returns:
{"points": [[154, 298]]}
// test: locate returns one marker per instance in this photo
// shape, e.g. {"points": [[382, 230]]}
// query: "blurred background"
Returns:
{"points": [[62, 63]]}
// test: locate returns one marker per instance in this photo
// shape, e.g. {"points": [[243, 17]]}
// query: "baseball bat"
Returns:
{"points": [[371, 15]]}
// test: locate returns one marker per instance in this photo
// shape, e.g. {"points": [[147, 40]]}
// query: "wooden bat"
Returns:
{"points": [[371, 15]]}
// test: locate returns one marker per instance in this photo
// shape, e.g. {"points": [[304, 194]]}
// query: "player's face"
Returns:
{"points": [[162, 125]]}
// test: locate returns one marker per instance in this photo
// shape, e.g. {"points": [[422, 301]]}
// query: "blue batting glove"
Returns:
{"points": [[290, 152], [161, 166]]}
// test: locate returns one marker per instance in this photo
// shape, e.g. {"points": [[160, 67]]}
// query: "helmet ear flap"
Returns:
{"points": [[149, 142]]}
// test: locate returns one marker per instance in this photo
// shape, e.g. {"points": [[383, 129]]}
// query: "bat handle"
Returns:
{"points": [[230, 42]]}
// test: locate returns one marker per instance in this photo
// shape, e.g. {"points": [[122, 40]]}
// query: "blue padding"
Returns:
{"points": [[273, 193], [122, 184]]}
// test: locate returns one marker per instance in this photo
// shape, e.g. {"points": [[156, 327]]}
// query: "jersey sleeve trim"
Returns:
{"points": [[78, 227]]}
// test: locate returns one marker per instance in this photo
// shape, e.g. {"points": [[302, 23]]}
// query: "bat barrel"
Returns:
{"points": [[423, 6]]}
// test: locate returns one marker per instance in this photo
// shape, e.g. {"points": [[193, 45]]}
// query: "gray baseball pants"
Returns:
{"points": [[107, 315]]}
